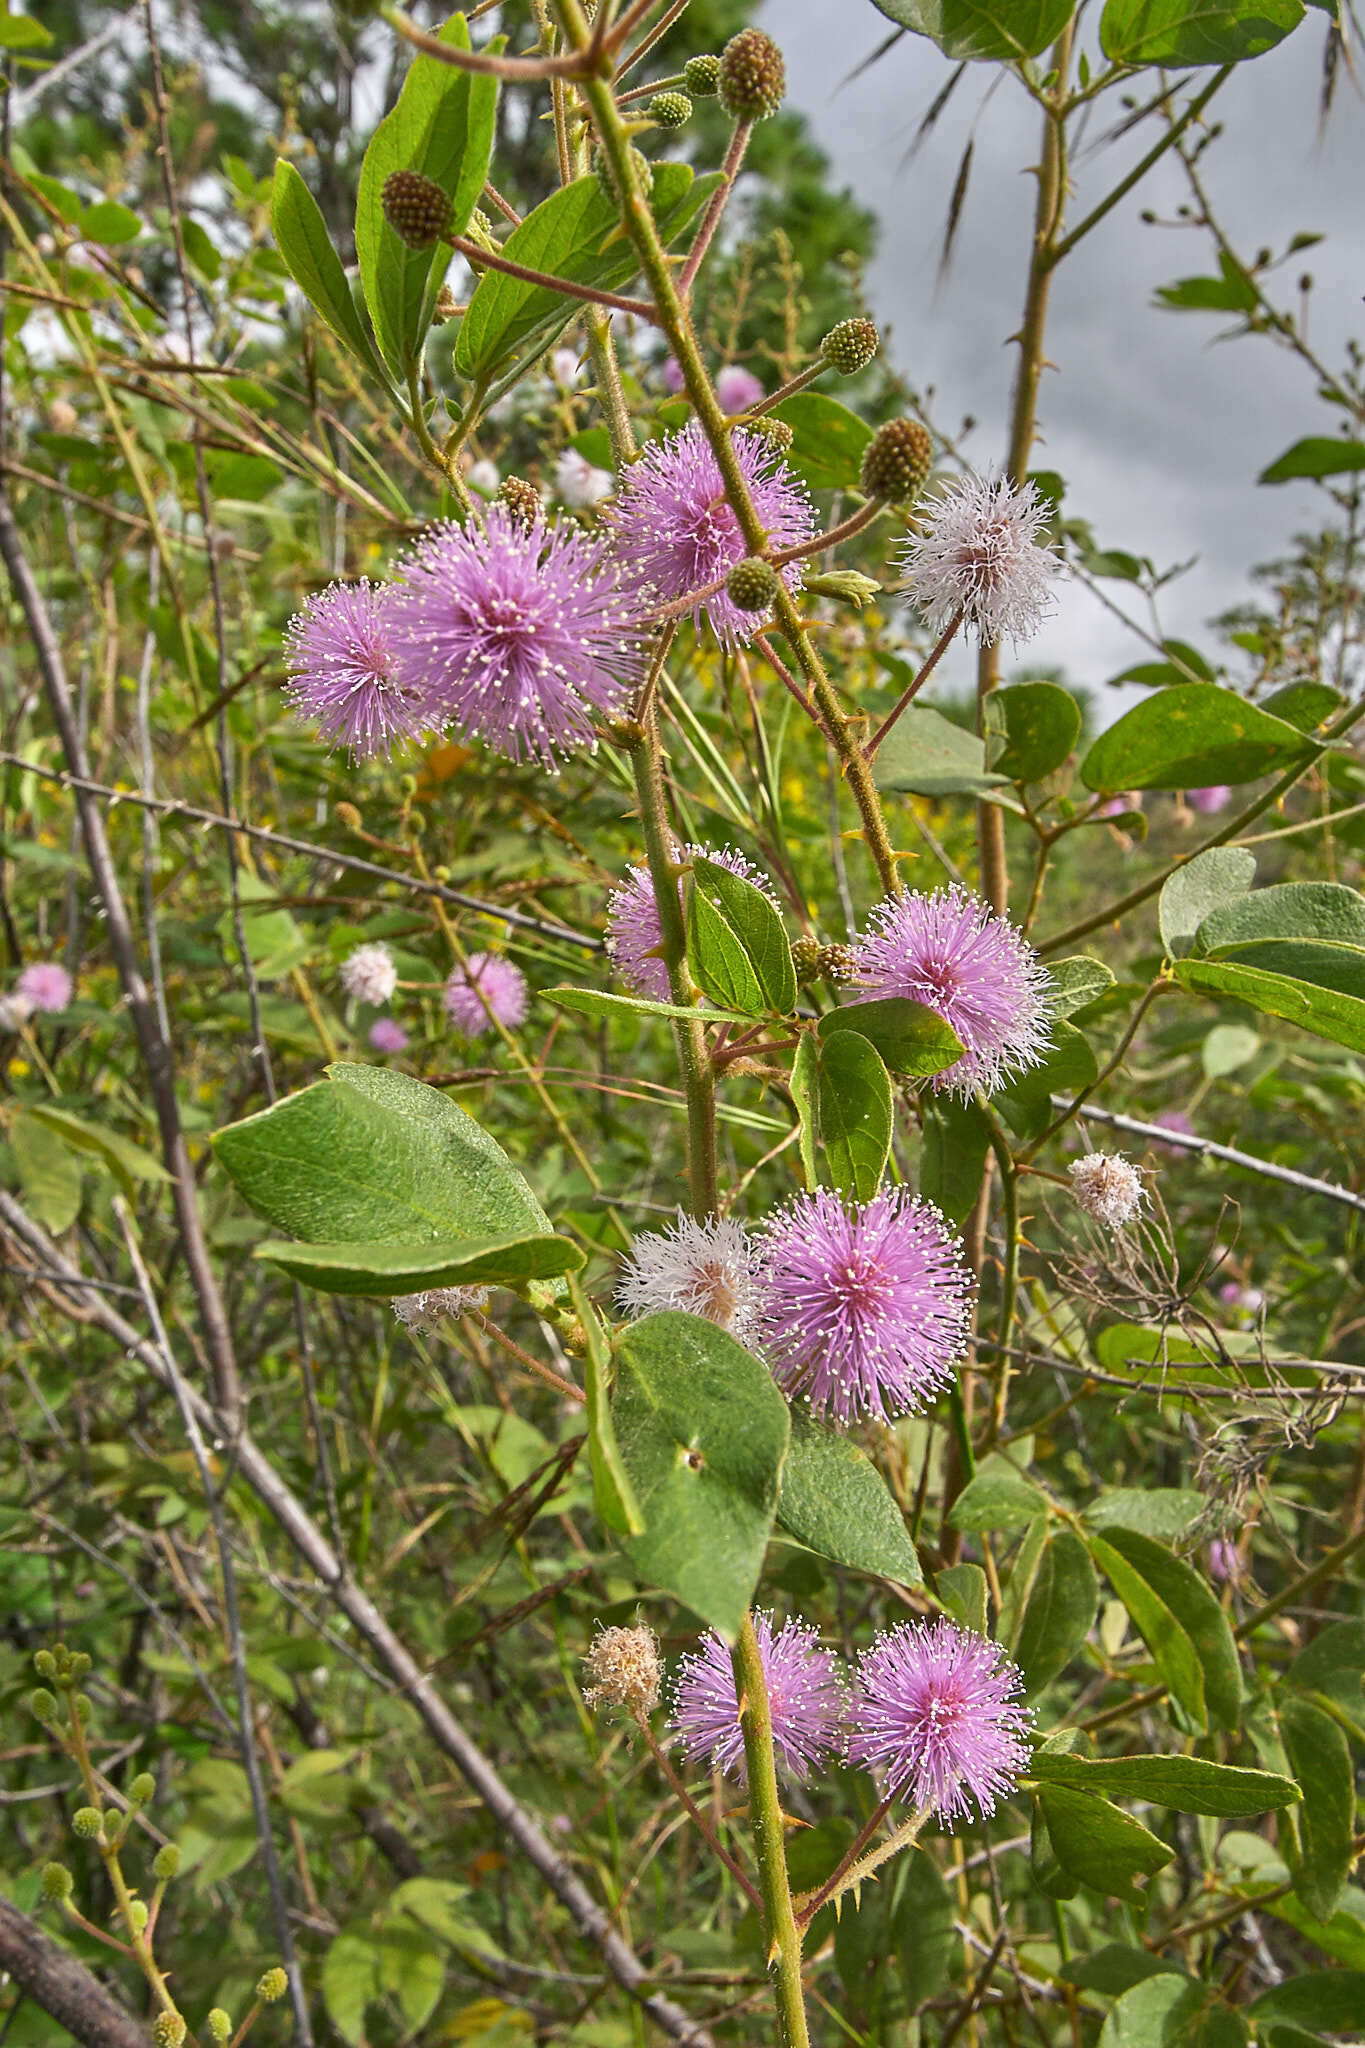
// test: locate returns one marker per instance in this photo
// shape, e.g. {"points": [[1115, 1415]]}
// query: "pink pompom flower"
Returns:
{"points": [[634, 935], [737, 388], [1210, 800], [676, 532], [45, 985], [387, 1035], [484, 991], [979, 553], [369, 975], [340, 657], [936, 1713], [805, 1698], [863, 1308], [950, 952], [516, 634]]}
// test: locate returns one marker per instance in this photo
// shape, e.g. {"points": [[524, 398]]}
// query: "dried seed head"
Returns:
{"points": [[897, 461], [415, 208], [753, 584], [850, 346], [752, 78], [670, 109], [623, 1664], [701, 76], [1108, 1187], [522, 499], [806, 959]]}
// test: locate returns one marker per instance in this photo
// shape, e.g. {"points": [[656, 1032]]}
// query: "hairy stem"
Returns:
{"points": [[770, 1848]]}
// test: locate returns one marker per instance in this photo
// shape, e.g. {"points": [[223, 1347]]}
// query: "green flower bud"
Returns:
{"points": [[219, 2024], [271, 1987], [806, 959], [897, 460], [701, 76], [82, 1707], [138, 1915], [79, 1666], [606, 177], [86, 1822], [142, 1788], [45, 1664], [166, 1862], [58, 1883], [778, 434], [42, 1705], [850, 346], [670, 109], [415, 208], [849, 586], [752, 78], [752, 584], [168, 2030]]}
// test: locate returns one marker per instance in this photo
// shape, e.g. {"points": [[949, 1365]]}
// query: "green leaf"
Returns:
{"points": [[434, 1902], [1226, 1048], [350, 1980], [1031, 729], [1008, 29], [574, 234], [1287, 910], [719, 959], [830, 441], [1189, 739], [109, 223], [754, 920], [956, 1139], [703, 1432], [389, 1267], [1171, 1648], [600, 1002], [1075, 983], [1057, 1619], [442, 128], [1115, 1969], [1320, 1758], [612, 1493], [23, 32], [962, 1590], [410, 1970], [128, 1162], [1326, 1012], [1232, 291], [997, 1497], [1167, 2011], [930, 756], [1218, 876], [1331, 2001], [49, 1174], [853, 1094], [1177, 32], [1199, 1614], [1094, 1842], [1319, 455], [1163, 1511], [1067, 1066], [301, 235], [835, 1501], [1188, 1784], [1333, 1664], [1305, 706], [910, 1037], [803, 1089]]}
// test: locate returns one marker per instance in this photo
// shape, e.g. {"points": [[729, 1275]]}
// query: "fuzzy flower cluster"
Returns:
{"points": [[934, 1711], [623, 1664], [634, 936], [948, 951], [425, 1310], [43, 987], [979, 554], [484, 991], [706, 1269], [1108, 1187], [369, 975]]}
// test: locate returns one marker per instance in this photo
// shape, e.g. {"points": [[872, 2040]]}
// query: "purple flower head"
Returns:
{"points": [[1207, 801], [672, 373], [1225, 1561], [737, 388], [515, 634], [633, 931], [948, 950], [676, 533], [45, 985], [805, 1696], [387, 1035], [1174, 1120], [863, 1308], [484, 991], [979, 554], [936, 1711], [369, 974], [340, 657]]}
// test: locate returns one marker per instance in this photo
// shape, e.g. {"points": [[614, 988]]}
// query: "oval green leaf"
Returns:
{"points": [[835, 1501], [1188, 1784], [1177, 32], [756, 924], [1031, 729], [1188, 739], [911, 1038], [853, 1094], [389, 1268]]}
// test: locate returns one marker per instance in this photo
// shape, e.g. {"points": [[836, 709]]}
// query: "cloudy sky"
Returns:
{"points": [[1159, 429]]}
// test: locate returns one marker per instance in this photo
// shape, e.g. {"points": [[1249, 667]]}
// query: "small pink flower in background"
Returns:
{"points": [[369, 974], [948, 951], [1121, 806], [674, 381], [485, 990], [804, 1694], [578, 484], [633, 933], [565, 368], [863, 1308], [1247, 1301], [1209, 800], [676, 533], [45, 985], [936, 1712], [387, 1035], [737, 388], [978, 552], [1174, 1120], [705, 1269], [340, 657], [1225, 1562]]}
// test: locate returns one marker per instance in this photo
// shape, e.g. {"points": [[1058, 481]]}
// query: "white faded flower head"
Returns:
{"points": [[706, 1269], [15, 1010], [979, 554], [484, 477], [369, 974], [623, 1664], [578, 484], [423, 1311], [1108, 1187]]}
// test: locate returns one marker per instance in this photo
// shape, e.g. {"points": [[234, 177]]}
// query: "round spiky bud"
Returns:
{"points": [[415, 208], [61, 1657], [166, 1862], [271, 1986], [446, 307], [521, 498], [897, 461], [42, 1704], [701, 76], [78, 1666], [836, 963], [806, 959], [778, 434], [86, 1822], [83, 1707], [45, 1664], [753, 77], [142, 1788], [219, 2024], [168, 2030], [606, 177], [850, 346], [138, 1915], [670, 109], [753, 584], [58, 1883]]}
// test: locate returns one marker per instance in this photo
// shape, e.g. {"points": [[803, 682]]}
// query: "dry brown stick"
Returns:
{"points": [[62, 1986]]}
